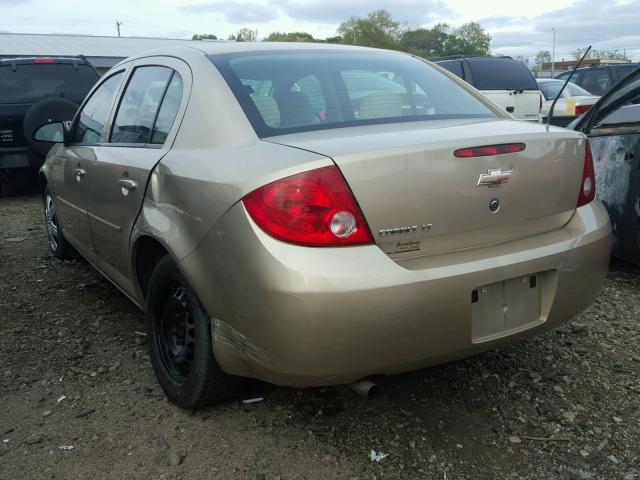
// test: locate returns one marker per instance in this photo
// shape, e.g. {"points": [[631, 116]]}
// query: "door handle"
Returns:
{"points": [[127, 183], [510, 109], [80, 172]]}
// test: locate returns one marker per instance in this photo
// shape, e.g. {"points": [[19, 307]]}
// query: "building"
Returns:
{"points": [[101, 52], [588, 62]]}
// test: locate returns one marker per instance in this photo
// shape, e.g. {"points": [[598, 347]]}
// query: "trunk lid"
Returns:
{"points": [[522, 104], [419, 199]]}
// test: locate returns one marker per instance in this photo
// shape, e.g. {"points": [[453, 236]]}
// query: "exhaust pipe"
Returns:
{"points": [[365, 389]]}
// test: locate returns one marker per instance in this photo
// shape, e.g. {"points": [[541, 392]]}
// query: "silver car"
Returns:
{"points": [[309, 214]]}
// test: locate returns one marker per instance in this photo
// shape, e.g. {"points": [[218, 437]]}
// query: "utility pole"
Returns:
{"points": [[118, 26], [553, 54]]}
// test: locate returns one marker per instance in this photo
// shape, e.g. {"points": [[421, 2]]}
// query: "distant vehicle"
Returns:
{"points": [[398, 229], [505, 81], [34, 91], [613, 128], [574, 101], [599, 79]]}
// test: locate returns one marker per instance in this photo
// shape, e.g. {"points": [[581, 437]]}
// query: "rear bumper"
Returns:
{"points": [[11, 158], [311, 316]]}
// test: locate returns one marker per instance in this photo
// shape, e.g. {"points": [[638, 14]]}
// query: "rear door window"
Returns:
{"points": [[168, 110], [597, 81], [501, 74], [139, 105], [94, 115]]}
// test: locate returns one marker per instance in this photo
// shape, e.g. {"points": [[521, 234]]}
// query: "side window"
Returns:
{"points": [[95, 114], [168, 110], [596, 81], [623, 71], [139, 104], [454, 66]]}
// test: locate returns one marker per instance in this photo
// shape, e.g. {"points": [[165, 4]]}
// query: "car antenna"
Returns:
{"points": [[564, 86]]}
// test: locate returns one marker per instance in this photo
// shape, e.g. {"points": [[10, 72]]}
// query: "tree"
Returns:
{"points": [[603, 54], [523, 59], [289, 37], [336, 39], [378, 29], [204, 36], [244, 35], [543, 56], [471, 40], [426, 43]]}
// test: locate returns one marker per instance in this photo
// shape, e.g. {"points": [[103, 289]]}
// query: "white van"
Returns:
{"points": [[505, 81]]}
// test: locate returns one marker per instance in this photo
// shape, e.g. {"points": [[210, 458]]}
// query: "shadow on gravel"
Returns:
{"points": [[18, 185]]}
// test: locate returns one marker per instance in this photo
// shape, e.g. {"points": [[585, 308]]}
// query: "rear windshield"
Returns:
{"points": [[31, 82], [285, 92], [551, 89], [501, 74]]}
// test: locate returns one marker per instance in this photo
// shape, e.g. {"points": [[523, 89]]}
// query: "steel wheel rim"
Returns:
{"points": [[175, 333], [51, 222]]}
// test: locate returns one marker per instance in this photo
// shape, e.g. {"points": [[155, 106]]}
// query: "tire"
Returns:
{"points": [[179, 338], [59, 246], [53, 109]]}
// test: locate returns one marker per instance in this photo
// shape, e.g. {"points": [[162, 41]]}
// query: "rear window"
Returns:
{"points": [[285, 92], [551, 89], [501, 74], [31, 82]]}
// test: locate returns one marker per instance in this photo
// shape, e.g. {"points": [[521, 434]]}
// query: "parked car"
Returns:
{"points": [[31, 90], [613, 128], [505, 81], [599, 79], [265, 241], [574, 101]]}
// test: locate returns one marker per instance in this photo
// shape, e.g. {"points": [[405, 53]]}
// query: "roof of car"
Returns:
{"points": [[610, 65], [214, 48]]}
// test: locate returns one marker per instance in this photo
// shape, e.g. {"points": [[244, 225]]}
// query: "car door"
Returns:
{"points": [[614, 134], [141, 133], [69, 165]]}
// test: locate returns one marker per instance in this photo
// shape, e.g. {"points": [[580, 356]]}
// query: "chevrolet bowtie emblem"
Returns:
{"points": [[494, 178]]}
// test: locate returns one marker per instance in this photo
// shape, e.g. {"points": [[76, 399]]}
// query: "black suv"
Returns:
{"points": [[599, 79], [34, 91]]}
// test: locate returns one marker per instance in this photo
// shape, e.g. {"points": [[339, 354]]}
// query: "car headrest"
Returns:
{"points": [[295, 109], [380, 105]]}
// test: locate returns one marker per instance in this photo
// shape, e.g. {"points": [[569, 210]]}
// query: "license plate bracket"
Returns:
{"points": [[504, 308]]}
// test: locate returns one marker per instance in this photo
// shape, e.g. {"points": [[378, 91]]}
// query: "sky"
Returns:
{"points": [[517, 27]]}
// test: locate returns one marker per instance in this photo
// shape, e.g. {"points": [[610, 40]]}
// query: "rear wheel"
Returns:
{"points": [[179, 334], [59, 246]]}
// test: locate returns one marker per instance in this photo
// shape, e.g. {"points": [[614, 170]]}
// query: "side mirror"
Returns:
{"points": [[51, 132]]}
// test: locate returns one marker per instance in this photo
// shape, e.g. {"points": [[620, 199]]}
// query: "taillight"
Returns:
{"points": [[580, 109], [488, 150], [314, 208], [588, 184], [44, 60]]}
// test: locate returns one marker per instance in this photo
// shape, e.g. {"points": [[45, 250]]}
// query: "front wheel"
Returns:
{"points": [[179, 335], [59, 246]]}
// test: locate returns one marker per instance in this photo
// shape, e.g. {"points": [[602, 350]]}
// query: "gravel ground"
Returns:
{"points": [[78, 398]]}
